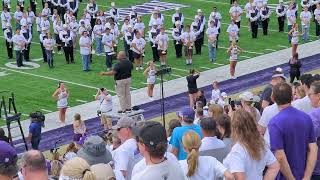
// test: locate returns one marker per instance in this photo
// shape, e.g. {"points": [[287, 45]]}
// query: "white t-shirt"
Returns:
{"points": [[215, 94], [188, 37], [162, 39], [208, 143], [48, 44], [234, 10], [291, 14], [233, 32], [139, 26], [107, 41], [85, 41], [167, 170], [268, 113], [105, 105], [212, 31], [303, 104], [140, 44], [239, 160], [208, 168], [307, 16]]}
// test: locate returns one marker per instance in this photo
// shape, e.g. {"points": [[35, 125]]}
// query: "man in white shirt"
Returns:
{"points": [[17, 17], [291, 17], [304, 104], [105, 105], [123, 156], [85, 50], [19, 45], [235, 13], [66, 38], [108, 42], [305, 17], [8, 33]]}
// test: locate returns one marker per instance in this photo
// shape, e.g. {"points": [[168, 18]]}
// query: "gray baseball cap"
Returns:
{"points": [[124, 122]]}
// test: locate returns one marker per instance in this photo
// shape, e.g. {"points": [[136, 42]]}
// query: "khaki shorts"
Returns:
{"points": [[106, 120]]}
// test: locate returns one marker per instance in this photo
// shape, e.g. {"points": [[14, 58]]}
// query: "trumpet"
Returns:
{"points": [[163, 46]]}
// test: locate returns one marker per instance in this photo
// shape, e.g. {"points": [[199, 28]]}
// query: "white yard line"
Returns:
{"points": [[205, 67], [176, 75], [46, 110], [83, 101], [37, 59], [219, 64], [273, 50], [283, 46], [133, 88]]}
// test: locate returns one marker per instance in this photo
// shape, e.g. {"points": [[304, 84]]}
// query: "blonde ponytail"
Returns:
{"points": [[88, 175], [193, 161], [191, 142]]}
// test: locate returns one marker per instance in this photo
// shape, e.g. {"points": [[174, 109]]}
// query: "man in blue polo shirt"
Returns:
{"points": [[187, 116], [35, 133]]}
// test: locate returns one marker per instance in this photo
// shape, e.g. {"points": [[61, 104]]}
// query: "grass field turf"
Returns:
{"points": [[34, 92]]}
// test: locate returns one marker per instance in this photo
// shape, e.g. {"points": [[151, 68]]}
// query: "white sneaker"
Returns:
{"points": [[233, 77], [141, 68], [59, 52], [151, 98], [137, 68]]}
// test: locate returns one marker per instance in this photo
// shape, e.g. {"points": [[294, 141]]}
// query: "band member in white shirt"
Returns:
{"points": [[178, 16], [57, 27], [115, 32], [66, 38], [202, 22], [45, 23], [233, 31], [305, 17], [154, 31], [74, 27], [49, 44], [114, 12], [247, 9], [19, 46], [26, 32], [85, 50], [128, 37], [139, 25], [138, 45], [62, 9], [317, 19], [21, 4], [188, 38], [55, 5], [73, 6], [42, 37], [235, 13], [162, 40], [46, 11], [8, 36], [98, 30], [123, 31], [176, 35], [156, 17], [254, 17], [133, 15], [92, 8], [197, 29], [281, 14], [5, 17], [265, 13], [291, 17], [212, 33], [108, 42], [17, 17]]}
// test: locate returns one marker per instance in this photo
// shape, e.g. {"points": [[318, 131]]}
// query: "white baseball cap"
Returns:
{"points": [[224, 94], [199, 11], [113, 4], [280, 1], [177, 8]]}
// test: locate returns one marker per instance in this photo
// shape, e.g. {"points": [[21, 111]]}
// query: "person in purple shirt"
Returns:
{"points": [[314, 94], [292, 137]]}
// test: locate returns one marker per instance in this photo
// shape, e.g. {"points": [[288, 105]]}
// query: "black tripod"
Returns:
{"points": [[163, 70]]}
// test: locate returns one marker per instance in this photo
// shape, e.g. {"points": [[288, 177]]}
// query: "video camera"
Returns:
{"points": [[163, 71], [233, 103], [38, 116]]}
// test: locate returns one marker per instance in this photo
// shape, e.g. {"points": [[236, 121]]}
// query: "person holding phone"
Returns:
{"points": [[105, 105], [192, 86], [61, 95]]}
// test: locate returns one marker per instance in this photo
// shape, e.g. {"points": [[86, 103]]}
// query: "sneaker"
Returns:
{"points": [[121, 112], [233, 77], [141, 68], [137, 68], [59, 52], [151, 98], [128, 110]]}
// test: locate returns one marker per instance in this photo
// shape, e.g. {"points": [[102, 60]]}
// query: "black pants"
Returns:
{"points": [[254, 29], [35, 141], [217, 41], [44, 55], [265, 25], [238, 24], [61, 12], [130, 55], [178, 48], [155, 53], [295, 74], [9, 49], [202, 36], [281, 23], [315, 177], [33, 6], [26, 53], [19, 58], [92, 22], [198, 45], [68, 54], [317, 28]]}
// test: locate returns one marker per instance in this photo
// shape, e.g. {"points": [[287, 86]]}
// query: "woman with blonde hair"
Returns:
{"points": [[200, 167], [249, 155], [150, 73], [294, 33], [247, 99], [215, 111], [76, 168], [234, 50], [79, 128]]}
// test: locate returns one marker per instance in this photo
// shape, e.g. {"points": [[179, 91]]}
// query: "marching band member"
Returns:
{"points": [[212, 33], [178, 16], [21, 4], [82, 27], [305, 3], [305, 17], [260, 3], [98, 30], [291, 17], [8, 36], [19, 45], [85, 44], [188, 38], [129, 36], [176, 33], [46, 11], [57, 27], [33, 5], [68, 16], [92, 9], [7, 4], [108, 42], [114, 12], [162, 40], [17, 17], [73, 6], [66, 38], [24, 19], [154, 31], [38, 22], [265, 13], [115, 32], [202, 23], [46, 1], [55, 5], [74, 26], [5, 17], [102, 16], [54, 15], [235, 13], [317, 19], [281, 14], [295, 7], [124, 30], [254, 17], [197, 29], [62, 9], [156, 17], [233, 31], [139, 26], [133, 15], [48, 44], [294, 33], [45, 23], [248, 8], [233, 51], [216, 17], [42, 37], [138, 45], [31, 18], [26, 32]]}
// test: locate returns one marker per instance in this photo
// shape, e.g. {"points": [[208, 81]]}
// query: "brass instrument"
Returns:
{"points": [[163, 45]]}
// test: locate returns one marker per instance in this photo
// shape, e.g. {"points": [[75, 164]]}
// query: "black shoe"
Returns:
{"points": [[128, 110], [73, 62], [121, 112]]}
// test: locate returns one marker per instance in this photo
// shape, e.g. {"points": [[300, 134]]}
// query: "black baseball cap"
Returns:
{"points": [[152, 133]]}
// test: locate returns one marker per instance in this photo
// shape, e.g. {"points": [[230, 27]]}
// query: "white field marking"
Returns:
{"points": [[271, 50], [83, 101], [205, 67], [46, 110], [283, 46], [170, 67], [176, 75], [215, 2], [38, 59], [133, 88], [144, 83], [246, 57], [54, 79], [219, 64]]}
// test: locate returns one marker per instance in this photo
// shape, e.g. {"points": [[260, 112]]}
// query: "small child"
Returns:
{"points": [[215, 94], [79, 128], [295, 66]]}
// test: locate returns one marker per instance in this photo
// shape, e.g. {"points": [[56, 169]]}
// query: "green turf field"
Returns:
{"points": [[33, 88]]}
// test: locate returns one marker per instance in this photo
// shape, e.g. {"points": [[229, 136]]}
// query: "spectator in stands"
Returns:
{"points": [[76, 168], [79, 128], [71, 152], [187, 115], [192, 86], [224, 128], [55, 166], [215, 111], [292, 137], [249, 155], [300, 93], [103, 172], [173, 123], [105, 106], [35, 132], [152, 143], [200, 97], [277, 77], [304, 104], [314, 94], [215, 93], [210, 144], [295, 86], [3, 136], [123, 156], [198, 167], [198, 115], [34, 166], [247, 98], [295, 66], [221, 101], [8, 161]]}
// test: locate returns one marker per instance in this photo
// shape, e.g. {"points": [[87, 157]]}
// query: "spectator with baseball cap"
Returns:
{"points": [[187, 117], [8, 161], [152, 143], [304, 104], [247, 98], [124, 155]]}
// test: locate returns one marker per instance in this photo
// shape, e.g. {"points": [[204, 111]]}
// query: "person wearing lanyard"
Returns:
{"points": [[98, 30], [281, 14], [85, 49], [233, 31], [48, 44], [19, 44], [254, 17], [235, 13], [8, 36], [122, 76], [5, 17]]}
